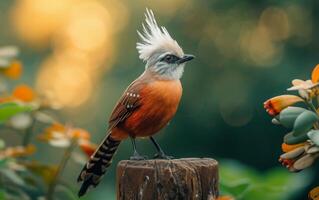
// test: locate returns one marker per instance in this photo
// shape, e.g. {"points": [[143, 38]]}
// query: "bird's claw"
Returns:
{"points": [[137, 156]]}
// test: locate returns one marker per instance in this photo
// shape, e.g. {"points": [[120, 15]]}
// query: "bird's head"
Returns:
{"points": [[160, 51]]}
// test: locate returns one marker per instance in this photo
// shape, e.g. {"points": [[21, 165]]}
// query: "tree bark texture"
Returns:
{"points": [[177, 179]]}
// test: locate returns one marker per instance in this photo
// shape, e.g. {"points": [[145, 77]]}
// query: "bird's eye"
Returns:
{"points": [[168, 58]]}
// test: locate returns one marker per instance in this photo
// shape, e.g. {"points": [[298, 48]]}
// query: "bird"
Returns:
{"points": [[147, 105]]}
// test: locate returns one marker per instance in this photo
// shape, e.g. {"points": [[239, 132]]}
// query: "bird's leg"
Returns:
{"points": [[160, 153], [136, 155]]}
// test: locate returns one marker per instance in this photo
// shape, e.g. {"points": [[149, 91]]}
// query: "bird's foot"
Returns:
{"points": [[137, 156], [162, 155]]}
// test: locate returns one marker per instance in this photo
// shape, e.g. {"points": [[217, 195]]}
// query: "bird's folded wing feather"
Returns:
{"points": [[127, 104]]}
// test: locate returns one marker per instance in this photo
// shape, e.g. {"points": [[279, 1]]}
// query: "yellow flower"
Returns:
{"points": [[276, 104], [46, 172], [14, 71], [23, 93], [314, 194]]}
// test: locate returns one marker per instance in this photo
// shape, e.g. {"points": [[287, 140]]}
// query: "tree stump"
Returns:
{"points": [[178, 179]]}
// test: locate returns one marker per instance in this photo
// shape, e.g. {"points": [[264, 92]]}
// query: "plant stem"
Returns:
{"points": [[61, 167], [28, 134], [313, 108]]}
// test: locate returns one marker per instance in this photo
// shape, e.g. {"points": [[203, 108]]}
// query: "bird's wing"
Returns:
{"points": [[128, 103]]}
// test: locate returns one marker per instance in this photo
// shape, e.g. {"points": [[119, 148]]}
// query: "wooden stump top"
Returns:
{"points": [[180, 179]]}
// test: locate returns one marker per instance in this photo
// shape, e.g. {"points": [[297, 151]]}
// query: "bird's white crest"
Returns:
{"points": [[155, 38]]}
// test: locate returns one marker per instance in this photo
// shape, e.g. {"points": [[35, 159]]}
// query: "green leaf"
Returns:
{"points": [[9, 109], [12, 176], [237, 189], [65, 192], [244, 183], [2, 144], [3, 162], [291, 139], [2, 194], [304, 122], [314, 136], [288, 116]]}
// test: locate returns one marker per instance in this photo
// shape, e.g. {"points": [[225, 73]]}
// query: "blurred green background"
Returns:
{"points": [[83, 52]]}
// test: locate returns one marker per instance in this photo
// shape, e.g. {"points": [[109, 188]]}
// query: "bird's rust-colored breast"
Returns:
{"points": [[159, 102]]}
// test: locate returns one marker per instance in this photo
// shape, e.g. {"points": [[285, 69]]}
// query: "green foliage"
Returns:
{"points": [[288, 116], [9, 109], [304, 123], [291, 139], [244, 183], [12, 177], [2, 194]]}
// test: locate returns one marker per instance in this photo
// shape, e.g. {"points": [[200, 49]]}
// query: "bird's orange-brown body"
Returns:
{"points": [[157, 100]]}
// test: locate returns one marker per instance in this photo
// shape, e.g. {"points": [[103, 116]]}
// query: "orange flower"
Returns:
{"points": [[225, 197], [6, 99], [276, 104], [314, 194], [79, 134], [55, 130], [18, 151], [288, 163], [88, 148], [55, 127], [14, 71], [286, 147], [61, 136], [23, 93], [315, 74]]}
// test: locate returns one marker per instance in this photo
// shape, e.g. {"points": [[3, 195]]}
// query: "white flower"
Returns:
{"points": [[304, 88], [7, 53], [21, 121]]}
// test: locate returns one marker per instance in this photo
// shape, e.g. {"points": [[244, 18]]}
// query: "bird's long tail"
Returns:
{"points": [[96, 167]]}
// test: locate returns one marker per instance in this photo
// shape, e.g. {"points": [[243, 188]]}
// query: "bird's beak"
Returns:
{"points": [[186, 58]]}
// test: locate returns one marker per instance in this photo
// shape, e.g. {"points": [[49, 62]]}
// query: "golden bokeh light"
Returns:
{"points": [[259, 47], [222, 31], [87, 35], [36, 20], [67, 83], [119, 12], [88, 26], [82, 35], [256, 40], [263, 44], [276, 22], [301, 24]]}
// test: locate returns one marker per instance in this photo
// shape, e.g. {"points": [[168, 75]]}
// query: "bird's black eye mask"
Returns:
{"points": [[170, 59]]}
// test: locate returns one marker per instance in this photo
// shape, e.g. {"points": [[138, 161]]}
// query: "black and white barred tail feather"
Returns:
{"points": [[96, 167]]}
